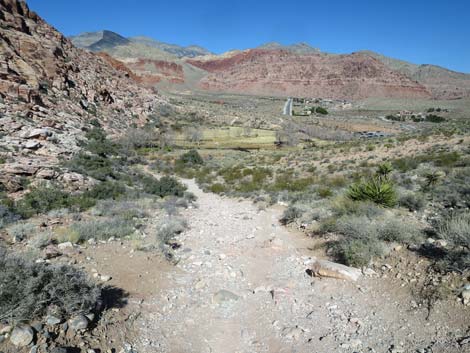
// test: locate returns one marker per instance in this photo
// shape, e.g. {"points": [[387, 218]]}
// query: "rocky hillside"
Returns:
{"points": [[50, 91], [298, 48], [282, 72], [272, 68], [441, 82], [190, 51]]}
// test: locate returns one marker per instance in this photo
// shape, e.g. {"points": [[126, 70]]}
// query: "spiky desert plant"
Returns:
{"points": [[384, 169], [377, 189]]}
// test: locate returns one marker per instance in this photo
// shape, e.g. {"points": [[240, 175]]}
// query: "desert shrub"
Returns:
{"points": [[321, 110], [376, 189], [41, 240], [136, 138], [324, 192], [412, 201], [405, 164], [360, 242], [456, 229], [7, 216], [398, 230], [97, 167], [433, 118], [358, 252], [290, 214], [169, 228], [21, 231], [217, 188], [98, 143], [28, 289], [191, 158], [345, 206], [336, 181], [106, 190], [166, 186], [454, 191], [97, 229], [286, 181], [42, 199], [123, 209]]}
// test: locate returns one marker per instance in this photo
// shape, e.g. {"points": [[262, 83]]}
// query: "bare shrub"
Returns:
{"points": [[29, 290]]}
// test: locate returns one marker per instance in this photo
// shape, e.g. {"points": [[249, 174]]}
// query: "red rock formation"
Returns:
{"points": [[279, 72], [46, 84], [151, 71]]}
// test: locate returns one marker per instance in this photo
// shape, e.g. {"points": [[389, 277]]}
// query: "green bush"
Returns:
{"points": [[28, 290], [166, 186], [97, 167], [191, 158], [376, 189], [384, 169], [42, 199], [321, 110], [106, 190], [432, 118], [217, 188]]}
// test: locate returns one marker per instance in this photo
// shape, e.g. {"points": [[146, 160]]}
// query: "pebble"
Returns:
{"points": [[79, 322], [66, 245], [223, 296], [22, 335], [466, 296], [293, 333], [105, 278]]}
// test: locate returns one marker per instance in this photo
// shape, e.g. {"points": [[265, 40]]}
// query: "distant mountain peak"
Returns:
{"points": [[106, 40]]}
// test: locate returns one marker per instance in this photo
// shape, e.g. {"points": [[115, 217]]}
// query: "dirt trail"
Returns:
{"points": [[241, 286]]}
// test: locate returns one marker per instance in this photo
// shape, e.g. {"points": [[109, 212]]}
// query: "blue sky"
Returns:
{"points": [[420, 31]]}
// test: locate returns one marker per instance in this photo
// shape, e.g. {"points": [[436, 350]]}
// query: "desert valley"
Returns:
{"points": [[164, 198]]}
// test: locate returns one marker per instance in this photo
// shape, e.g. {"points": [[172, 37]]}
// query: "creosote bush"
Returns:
{"points": [[28, 289], [191, 158]]}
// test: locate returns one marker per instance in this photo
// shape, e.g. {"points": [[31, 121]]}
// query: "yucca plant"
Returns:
{"points": [[377, 189], [384, 169]]}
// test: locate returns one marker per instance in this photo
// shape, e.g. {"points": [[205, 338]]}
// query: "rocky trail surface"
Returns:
{"points": [[241, 286]]}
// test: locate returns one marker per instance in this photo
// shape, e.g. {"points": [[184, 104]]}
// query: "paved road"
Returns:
{"points": [[288, 107]]}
